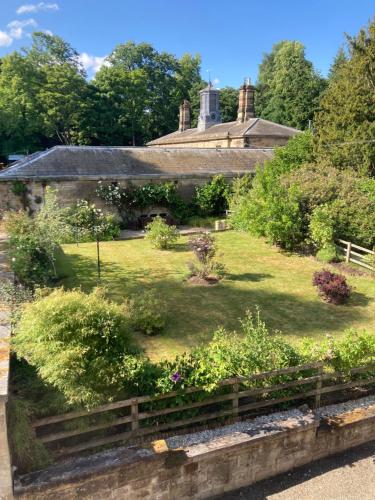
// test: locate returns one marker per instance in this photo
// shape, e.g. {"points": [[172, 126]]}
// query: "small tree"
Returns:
{"points": [[89, 222]]}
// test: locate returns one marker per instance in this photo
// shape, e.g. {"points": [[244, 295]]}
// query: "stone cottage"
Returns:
{"points": [[75, 170]]}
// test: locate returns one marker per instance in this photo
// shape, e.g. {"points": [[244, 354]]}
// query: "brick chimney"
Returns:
{"points": [[185, 116], [246, 108]]}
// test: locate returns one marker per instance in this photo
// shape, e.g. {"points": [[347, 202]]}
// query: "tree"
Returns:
{"points": [[228, 104], [338, 62], [20, 111], [288, 86], [345, 123], [62, 99]]}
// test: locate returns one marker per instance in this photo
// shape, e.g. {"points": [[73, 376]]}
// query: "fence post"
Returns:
{"points": [[318, 394], [134, 414], [235, 399], [348, 250]]}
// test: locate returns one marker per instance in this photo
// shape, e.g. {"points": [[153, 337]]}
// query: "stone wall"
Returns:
{"points": [[5, 463], [202, 470], [69, 191]]}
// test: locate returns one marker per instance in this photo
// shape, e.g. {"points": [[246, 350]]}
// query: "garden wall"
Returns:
{"points": [[69, 191], [224, 463], [5, 464]]}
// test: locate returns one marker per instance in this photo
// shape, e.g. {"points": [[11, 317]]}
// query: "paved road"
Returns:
{"points": [[348, 476]]}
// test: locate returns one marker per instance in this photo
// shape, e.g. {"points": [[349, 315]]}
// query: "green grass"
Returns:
{"points": [[279, 283]]}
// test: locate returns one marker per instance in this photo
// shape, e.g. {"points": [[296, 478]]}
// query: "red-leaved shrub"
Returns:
{"points": [[332, 287]]}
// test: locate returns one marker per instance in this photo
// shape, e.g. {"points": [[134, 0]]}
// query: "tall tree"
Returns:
{"points": [[338, 62], [345, 123], [20, 112], [288, 86], [228, 104]]}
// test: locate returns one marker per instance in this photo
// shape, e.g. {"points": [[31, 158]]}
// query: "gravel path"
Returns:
{"points": [[256, 424]]}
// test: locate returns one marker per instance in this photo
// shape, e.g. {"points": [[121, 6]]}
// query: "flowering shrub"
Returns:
{"points": [[160, 234], [203, 246], [332, 287]]}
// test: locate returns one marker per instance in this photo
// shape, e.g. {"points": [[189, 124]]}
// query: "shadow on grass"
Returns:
{"points": [[359, 299], [255, 277], [194, 313]]}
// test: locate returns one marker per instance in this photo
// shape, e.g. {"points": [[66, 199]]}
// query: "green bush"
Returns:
{"points": [[322, 227], [160, 234], [328, 254], [147, 312], [78, 343], [35, 240], [28, 257], [212, 197], [270, 209]]}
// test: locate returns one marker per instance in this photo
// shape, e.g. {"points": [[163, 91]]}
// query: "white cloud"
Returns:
{"points": [[92, 63], [215, 81], [5, 39], [36, 7], [16, 28]]}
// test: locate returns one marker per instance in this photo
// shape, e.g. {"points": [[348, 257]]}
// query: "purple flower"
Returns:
{"points": [[175, 377]]}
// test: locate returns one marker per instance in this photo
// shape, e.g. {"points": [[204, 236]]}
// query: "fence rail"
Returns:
{"points": [[141, 418], [356, 254]]}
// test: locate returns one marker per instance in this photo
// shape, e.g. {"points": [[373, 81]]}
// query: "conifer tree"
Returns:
{"points": [[345, 123]]}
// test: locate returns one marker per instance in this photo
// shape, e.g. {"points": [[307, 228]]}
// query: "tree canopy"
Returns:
{"points": [[288, 86], [345, 123]]}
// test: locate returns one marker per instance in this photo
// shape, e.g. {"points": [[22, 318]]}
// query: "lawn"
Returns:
{"points": [[258, 275]]}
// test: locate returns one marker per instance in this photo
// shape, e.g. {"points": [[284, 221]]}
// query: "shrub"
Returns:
{"points": [[328, 254], [160, 234], [212, 197], [34, 241], [322, 227], [204, 248], [78, 343], [28, 257], [146, 312], [227, 355], [332, 287]]}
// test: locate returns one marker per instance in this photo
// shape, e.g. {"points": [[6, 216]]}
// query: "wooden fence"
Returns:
{"points": [[234, 397], [358, 255]]}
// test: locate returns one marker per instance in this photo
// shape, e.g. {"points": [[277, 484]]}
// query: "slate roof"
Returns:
{"points": [[91, 162], [256, 127]]}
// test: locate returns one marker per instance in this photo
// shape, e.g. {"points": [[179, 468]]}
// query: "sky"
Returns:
{"points": [[230, 36]]}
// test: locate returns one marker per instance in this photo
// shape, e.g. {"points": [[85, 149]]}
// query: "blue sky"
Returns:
{"points": [[231, 36]]}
